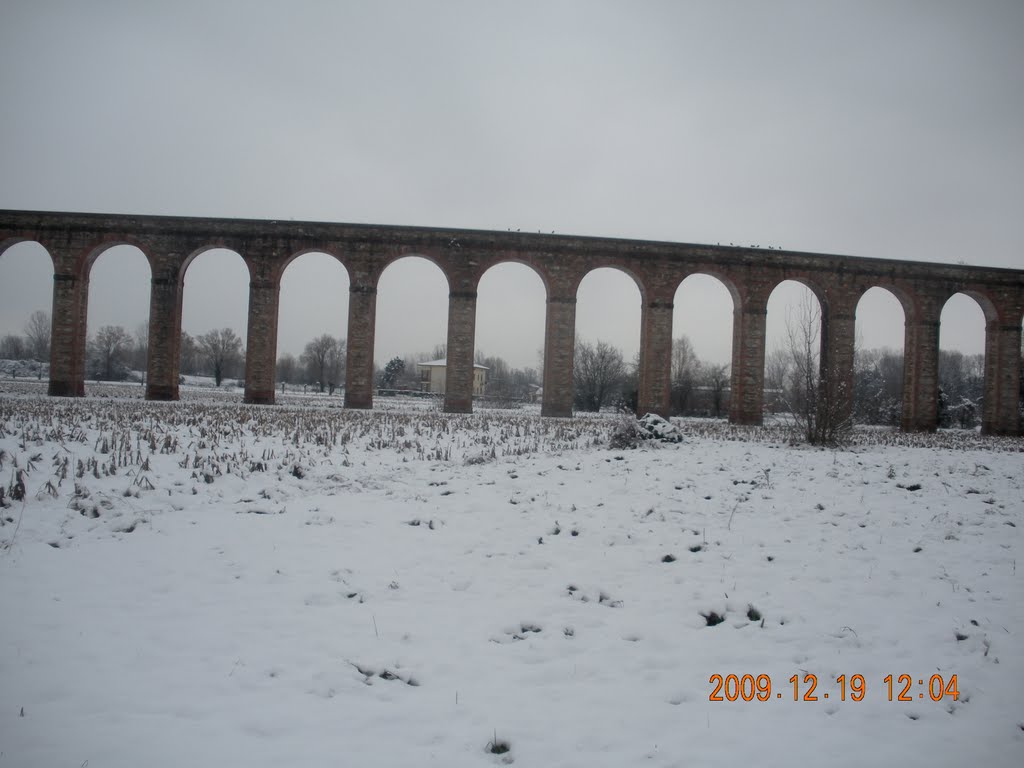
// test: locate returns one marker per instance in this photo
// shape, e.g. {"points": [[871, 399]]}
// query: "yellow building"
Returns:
{"points": [[432, 377]]}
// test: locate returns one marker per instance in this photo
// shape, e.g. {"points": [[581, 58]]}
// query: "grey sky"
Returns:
{"points": [[889, 129]]}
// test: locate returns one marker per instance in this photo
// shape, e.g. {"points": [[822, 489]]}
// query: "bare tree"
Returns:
{"points": [[140, 349], [37, 335], [287, 367], [13, 347], [189, 354], [816, 408], [686, 369], [504, 381], [336, 365], [777, 365], [716, 379], [222, 350], [599, 371], [324, 360], [109, 351]]}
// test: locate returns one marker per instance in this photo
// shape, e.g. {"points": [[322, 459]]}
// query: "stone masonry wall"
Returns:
{"points": [[75, 240]]}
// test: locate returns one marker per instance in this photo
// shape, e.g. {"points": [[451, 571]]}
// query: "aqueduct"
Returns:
{"points": [[75, 240]]}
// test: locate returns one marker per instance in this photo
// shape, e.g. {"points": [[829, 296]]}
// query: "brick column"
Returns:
{"points": [[261, 341], [67, 340], [655, 395], [836, 364], [1000, 408], [164, 356], [746, 397], [559, 347], [362, 320], [458, 397], [921, 373]]}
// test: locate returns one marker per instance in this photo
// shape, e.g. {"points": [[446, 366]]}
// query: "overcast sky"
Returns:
{"points": [[889, 129]]}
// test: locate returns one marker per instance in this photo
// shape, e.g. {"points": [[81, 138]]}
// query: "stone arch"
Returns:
{"points": [[687, 395], [10, 242], [607, 264], [227, 294], [907, 299], [506, 319], [426, 254], [323, 293], [597, 324], [282, 266], [88, 258], [409, 320], [880, 380], [207, 248], [108, 313], [968, 301], [792, 366], [26, 269], [963, 362], [541, 273], [813, 285], [603, 272]]}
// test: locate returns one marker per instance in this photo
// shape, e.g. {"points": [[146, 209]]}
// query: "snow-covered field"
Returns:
{"points": [[208, 584]]}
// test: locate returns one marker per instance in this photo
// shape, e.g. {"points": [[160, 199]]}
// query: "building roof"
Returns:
{"points": [[443, 363]]}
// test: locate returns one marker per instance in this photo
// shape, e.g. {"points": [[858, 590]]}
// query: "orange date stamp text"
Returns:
{"points": [[846, 688]]}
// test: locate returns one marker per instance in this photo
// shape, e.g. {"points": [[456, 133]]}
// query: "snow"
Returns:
{"points": [[310, 586]]}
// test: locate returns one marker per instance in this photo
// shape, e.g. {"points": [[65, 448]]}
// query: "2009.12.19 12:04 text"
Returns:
{"points": [[852, 687]]}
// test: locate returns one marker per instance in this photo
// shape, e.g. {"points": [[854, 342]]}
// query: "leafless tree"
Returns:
{"points": [[189, 354], [777, 365], [110, 347], [324, 360], [13, 347], [686, 369], [599, 371], [716, 379], [815, 407], [287, 368], [37, 335], [222, 350], [504, 381], [140, 348]]}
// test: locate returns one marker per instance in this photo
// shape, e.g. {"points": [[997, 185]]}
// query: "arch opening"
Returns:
{"points": [[117, 321], [510, 316], [961, 365], [312, 330], [702, 320], [214, 319], [605, 361], [26, 268], [792, 365], [411, 326], [879, 358]]}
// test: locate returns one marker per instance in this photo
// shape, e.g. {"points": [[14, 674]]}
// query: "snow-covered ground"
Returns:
{"points": [[210, 584]]}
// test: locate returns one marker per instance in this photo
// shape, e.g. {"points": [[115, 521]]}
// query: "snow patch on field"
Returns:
{"points": [[210, 583]]}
